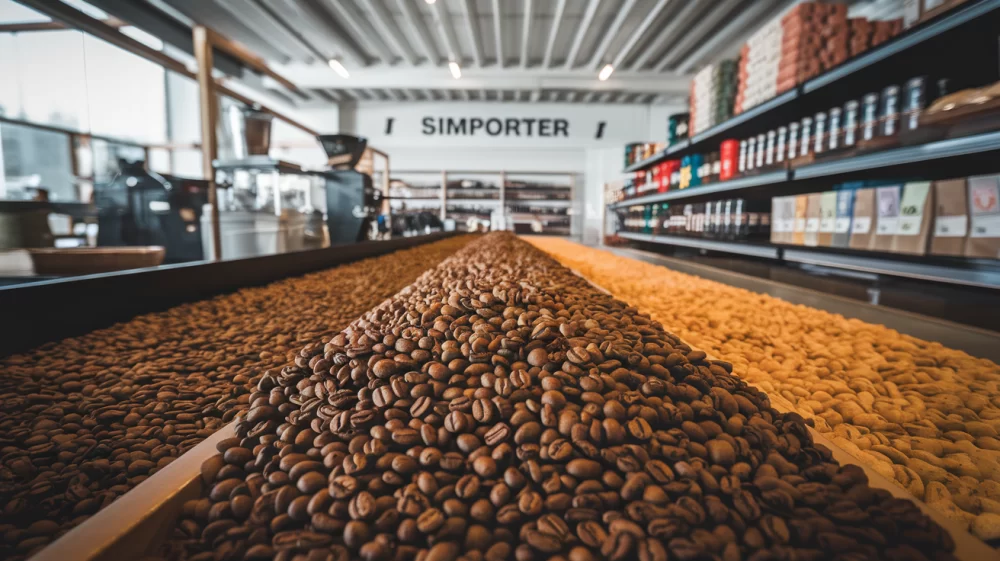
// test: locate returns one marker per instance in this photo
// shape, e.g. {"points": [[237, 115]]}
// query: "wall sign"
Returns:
{"points": [[494, 126]]}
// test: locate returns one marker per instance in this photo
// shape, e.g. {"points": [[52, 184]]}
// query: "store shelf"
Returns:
{"points": [[879, 265], [753, 250], [546, 203], [889, 267], [660, 156], [744, 117], [870, 63], [939, 150], [891, 160], [907, 40], [767, 178], [471, 201]]}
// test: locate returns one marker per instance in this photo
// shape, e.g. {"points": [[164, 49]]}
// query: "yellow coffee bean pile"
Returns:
{"points": [[917, 412]]}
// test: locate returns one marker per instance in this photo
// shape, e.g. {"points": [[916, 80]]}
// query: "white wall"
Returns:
{"points": [[594, 160]]}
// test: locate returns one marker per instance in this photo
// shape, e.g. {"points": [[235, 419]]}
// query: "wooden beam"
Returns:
{"points": [[253, 61], [209, 117]]}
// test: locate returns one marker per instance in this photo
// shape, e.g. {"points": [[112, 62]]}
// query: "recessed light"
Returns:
{"points": [[339, 68], [430, 1], [605, 72], [456, 71]]}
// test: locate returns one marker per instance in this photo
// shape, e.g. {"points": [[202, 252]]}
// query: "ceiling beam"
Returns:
{"points": [[387, 25], [319, 29], [597, 60], [320, 92], [697, 33], [668, 33], [447, 30], [728, 35], [254, 17], [498, 32], [415, 20], [526, 33], [489, 78], [638, 33], [581, 32], [472, 24], [348, 95], [553, 32], [362, 28]]}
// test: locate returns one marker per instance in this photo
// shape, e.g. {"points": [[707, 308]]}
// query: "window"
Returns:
{"points": [[36, 158]]}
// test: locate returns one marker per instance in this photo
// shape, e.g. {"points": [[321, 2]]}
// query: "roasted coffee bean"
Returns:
{"points": [[87, 418], [540, 419]]}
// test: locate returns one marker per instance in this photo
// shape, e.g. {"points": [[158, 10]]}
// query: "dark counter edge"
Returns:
{"points": [[37, 313], [974, 341]]}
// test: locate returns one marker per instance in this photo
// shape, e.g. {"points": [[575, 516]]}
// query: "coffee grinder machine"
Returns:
{"points": [[352, 201]]}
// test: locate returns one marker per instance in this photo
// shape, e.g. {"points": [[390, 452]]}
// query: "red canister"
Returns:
{"points": [[729, 155]]}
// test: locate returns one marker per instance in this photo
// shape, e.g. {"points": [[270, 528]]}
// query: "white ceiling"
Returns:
{"points": [[541, 50], [509, 50]]}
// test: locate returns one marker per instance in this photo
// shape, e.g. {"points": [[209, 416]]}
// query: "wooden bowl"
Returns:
{"points": [[90, 260]]}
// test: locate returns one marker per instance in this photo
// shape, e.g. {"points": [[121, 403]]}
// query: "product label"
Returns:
{"points": [[984, 201], [842, 225], [861, 225], [911, 208], [951, 226], [887, 225], [812, 225], [828, 212], [888, 210], [800, 225]]}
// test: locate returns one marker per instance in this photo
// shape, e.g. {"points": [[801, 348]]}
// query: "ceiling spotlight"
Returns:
{"points": [[430, 1], [605, 72], [456, 71], [339, 68]]}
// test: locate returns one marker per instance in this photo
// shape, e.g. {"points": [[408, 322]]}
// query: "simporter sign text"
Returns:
{"points": [[494, 126]]}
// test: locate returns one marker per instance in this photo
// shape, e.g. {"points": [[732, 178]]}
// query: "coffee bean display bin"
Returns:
{"points": [[502, 407], [87, 418]]}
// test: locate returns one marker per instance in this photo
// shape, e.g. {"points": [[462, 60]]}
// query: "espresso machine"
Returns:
{"points": [[352, 202], [142, 208]]}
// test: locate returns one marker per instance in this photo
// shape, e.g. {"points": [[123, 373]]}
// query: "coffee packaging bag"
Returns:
{"points": [[984, 215], [845, 209], [777, 219], [799, 226], [887, 201], [813, 204], [951, 217], [863, 219], [827, 218], [913, 227]]}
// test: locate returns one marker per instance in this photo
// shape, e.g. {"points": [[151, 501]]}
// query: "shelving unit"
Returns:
{"points": [[891, 62], [970, 275], [541, 202]]}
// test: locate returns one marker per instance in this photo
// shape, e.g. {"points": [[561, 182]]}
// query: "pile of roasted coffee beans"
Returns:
{"points": [[502, 408], [915, 411], [85, 419]]}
